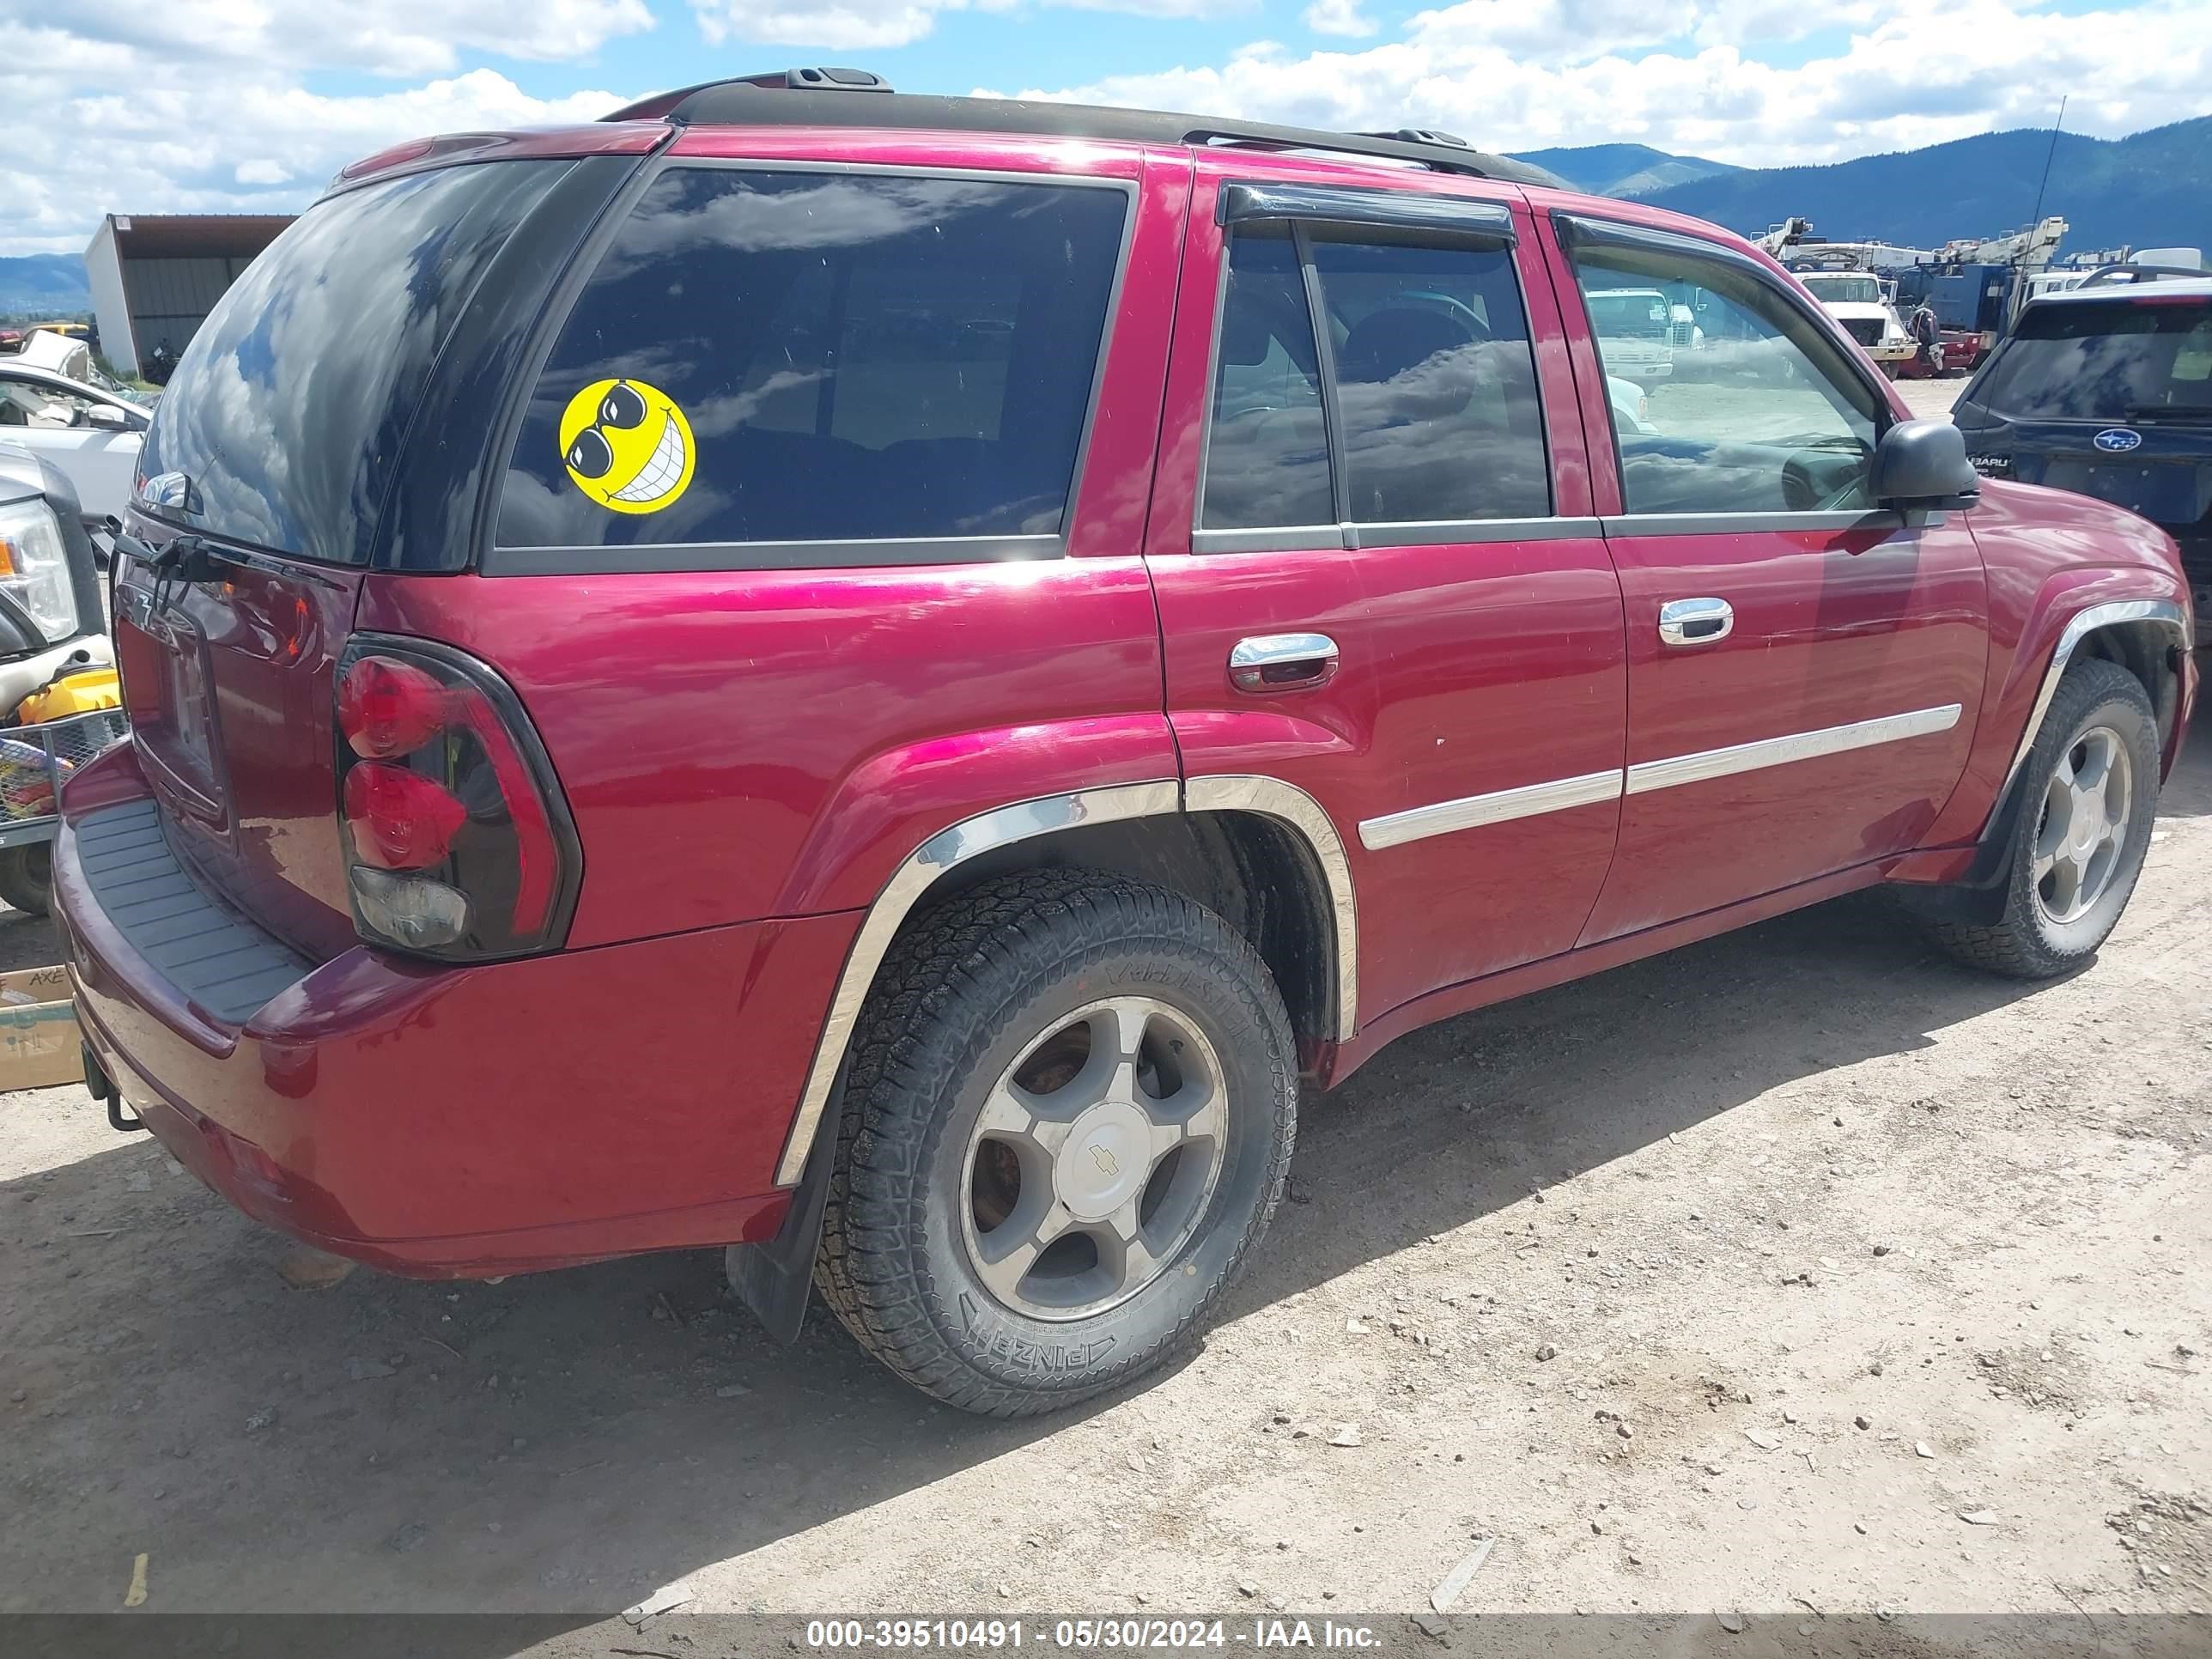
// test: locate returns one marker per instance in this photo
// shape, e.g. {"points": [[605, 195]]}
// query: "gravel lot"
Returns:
{"points": [[1797, 1270]]}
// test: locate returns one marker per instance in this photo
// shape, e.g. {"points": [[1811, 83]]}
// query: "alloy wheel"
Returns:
{"points": [[1093, 1158], [2084, 824]]}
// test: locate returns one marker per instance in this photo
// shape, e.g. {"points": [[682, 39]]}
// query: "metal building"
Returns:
{"points": [[155, 278]]}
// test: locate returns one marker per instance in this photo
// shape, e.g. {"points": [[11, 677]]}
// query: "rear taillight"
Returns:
{"points": [[388, 708], [458, 843], [399, 819]]}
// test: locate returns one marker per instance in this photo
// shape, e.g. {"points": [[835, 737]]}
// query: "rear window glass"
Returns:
{"points": [[2133, 359], [288, 409], [773, 356]]}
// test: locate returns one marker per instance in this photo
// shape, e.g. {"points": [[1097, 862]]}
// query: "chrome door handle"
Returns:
{"points": [[1282, 662], [1695, 621]]}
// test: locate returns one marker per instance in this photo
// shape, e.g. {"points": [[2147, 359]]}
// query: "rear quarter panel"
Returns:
{"points": [[738, 745]]}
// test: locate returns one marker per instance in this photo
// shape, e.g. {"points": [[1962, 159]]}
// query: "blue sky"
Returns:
{"points": [[200, 105]]}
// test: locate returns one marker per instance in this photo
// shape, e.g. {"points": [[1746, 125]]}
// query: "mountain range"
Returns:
{"points": [[1632, 170], [43, 285], [2151, 189]]}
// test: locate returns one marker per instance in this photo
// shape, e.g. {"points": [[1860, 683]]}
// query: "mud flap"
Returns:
{"points": [[1979, 896], [776, 1279]]}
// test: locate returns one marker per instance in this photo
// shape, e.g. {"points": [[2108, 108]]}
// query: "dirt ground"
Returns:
{"points": [[1799, 1273]]}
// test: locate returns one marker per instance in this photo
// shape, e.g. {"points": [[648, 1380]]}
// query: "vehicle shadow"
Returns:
{"points": [[2188, 792], [570, 1442], [26, 940]]}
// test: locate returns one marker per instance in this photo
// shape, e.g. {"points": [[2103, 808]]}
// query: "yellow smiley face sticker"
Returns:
{"points": [[627, 445]]}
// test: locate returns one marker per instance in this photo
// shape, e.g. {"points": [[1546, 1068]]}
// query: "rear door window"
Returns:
{"points": [[2136, 359], [1266, 455], [1431, 377], [1435, 382], [765, 357], [288, 409]]}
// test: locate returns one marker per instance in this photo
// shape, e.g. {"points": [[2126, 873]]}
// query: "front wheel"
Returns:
{"points": [[1069, 1112], [2090, 785]]}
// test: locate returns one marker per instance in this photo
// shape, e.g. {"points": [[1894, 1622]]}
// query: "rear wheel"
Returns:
{"points": [[1068, 1115], [2084, 827], [27, 876]]}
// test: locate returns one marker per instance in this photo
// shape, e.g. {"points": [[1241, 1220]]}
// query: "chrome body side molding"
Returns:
{"points": [[940, 853], [2164, 612], [1002, 826], [1444, 817], [1273, 798], [1647, 775]]}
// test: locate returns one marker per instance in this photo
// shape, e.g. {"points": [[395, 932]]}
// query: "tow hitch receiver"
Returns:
{"points": [[102, 1088]]}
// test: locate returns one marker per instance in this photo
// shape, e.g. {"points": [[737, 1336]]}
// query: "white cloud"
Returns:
{"points": [[183, 143], [1546, 29], [857, 25], [200, 105], [1339, 17], [1920, 72], [385, 37], [203, 106], [842, 26]]}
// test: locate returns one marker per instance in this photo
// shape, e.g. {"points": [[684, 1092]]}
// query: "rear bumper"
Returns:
{"points": [[466, 1122]]}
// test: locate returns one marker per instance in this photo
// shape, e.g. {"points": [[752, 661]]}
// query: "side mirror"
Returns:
{"points": [[107, 415], [1923, 463]]}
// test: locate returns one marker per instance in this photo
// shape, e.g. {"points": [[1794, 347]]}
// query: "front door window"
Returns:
{"points": [[1759, 414]]}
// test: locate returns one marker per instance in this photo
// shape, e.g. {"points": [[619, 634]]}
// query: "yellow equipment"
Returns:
{"points": [[79, 693]]}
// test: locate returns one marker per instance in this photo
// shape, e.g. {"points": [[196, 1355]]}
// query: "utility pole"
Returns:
{"points": [[2036, 218]]}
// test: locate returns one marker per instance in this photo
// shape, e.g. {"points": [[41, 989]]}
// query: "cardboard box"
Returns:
{"points": [[39, 1040]]}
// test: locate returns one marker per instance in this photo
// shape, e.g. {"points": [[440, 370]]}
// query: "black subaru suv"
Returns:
{"points": [[2107, 390]]}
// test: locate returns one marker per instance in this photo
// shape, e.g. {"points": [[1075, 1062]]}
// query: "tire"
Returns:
{"points": [[27, 876], [2032, 940], [977, 989]]}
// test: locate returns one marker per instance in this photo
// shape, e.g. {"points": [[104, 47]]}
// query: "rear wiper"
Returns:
{"points": [[180, 562], [2191, 413]]}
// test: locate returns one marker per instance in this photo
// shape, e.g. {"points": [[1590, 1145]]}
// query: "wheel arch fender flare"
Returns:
{"points": [[2157, 615], [921, 871], [1978, 895]]}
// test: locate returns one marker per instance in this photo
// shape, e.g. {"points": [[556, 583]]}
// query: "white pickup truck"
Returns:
{"points": [[1637, 327], [1864, 305]]}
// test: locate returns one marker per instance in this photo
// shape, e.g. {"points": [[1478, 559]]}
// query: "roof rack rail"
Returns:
{"points": [[2129, 272], [790, 97]]}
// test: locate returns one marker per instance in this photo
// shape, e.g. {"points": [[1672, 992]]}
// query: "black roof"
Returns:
{"points": [[772, 101]]}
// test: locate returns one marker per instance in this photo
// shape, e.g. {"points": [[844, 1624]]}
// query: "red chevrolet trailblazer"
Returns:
{"points": [[997, 639]]}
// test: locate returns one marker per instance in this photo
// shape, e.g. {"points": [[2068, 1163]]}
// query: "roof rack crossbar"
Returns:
{"points": [[1386, 146]]}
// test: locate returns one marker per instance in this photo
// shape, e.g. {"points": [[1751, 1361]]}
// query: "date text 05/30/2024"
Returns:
{"points": [[1085, 1635]]}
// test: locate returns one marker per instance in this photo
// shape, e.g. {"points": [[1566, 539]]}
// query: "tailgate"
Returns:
{"points": [[272, 463], [228, 685], [2165, 477]]}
